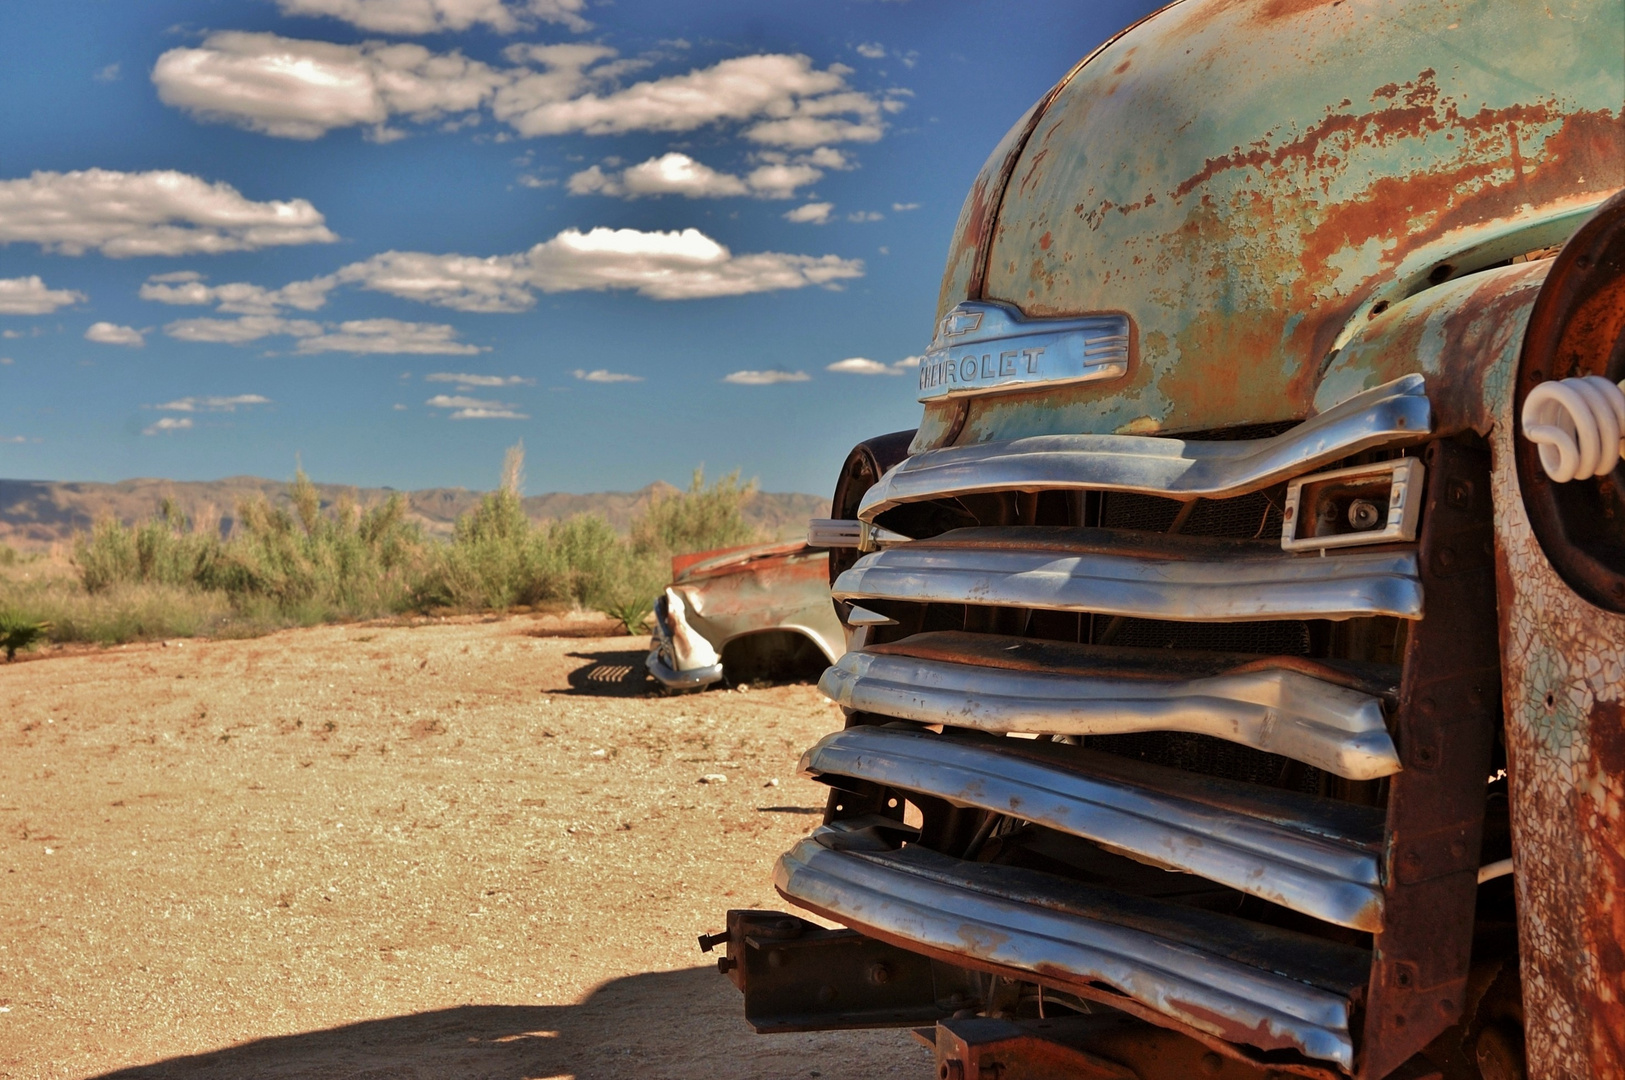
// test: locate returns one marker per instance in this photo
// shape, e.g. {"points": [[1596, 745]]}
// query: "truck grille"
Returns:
{"points": [[1191, 697]]}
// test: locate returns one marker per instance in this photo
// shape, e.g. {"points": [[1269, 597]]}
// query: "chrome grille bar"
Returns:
{"points": [[1308, 854], [1277, 711], [1270, 988], [1173, 578], [1395, 412]]}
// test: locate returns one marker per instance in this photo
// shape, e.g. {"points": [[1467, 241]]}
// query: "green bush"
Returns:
{"points": [[303, 563]]}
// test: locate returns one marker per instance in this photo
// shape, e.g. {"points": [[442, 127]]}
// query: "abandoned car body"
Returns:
{"points": [[1235, 495], [760, 611]]}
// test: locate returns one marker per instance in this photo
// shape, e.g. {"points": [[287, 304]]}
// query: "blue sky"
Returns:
{"points": [[389, 238]]}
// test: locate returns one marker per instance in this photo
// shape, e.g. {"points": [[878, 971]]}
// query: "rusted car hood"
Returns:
{"points": [[1252, 183]]}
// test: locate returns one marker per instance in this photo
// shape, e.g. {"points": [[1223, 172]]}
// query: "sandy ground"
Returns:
{"points": [[452, 850]]}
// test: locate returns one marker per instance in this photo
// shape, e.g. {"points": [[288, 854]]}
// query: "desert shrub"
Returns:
{"points": [[17, 632], [309, 564], [698, 519], [303, 563], [9, 556], [164, 550]]}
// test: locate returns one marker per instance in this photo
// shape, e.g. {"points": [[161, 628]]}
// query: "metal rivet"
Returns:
{"points": [[1212, 1063]]}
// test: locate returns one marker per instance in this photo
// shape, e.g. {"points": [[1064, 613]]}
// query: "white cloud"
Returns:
{"points": [[814, 213], [463, 379], [440, 16], [29, 296], [468, 408], [106, 333], [302, 89], [241, 330], [871, 50], [679, 174], [398, 407], [827, 157], [777, 91], [168, 423], [604, 375], [361, 336], [900, 207], [109, 73], [865, 215], [213, 404], [151, 213], [860, 365], [682, 265], [462, 282], [765, 378], [187, 287], [380, 336]]}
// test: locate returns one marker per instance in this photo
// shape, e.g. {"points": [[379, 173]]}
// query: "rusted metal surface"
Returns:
{"points": [[799, 976], [731, 594], [1248, 182], [1449, 707], [1105, 1045], [1564, 684], [1577, 328]]}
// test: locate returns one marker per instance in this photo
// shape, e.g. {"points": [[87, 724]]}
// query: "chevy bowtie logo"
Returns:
{"points": [[957, 323]]}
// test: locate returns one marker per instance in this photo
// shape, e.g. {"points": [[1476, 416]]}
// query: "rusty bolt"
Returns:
{"points": [[1402, 978], [953, 1069], [1212, 1063], [1447, 557], [1459, 494], [1458, 850], [1413, 860], [880, 974], [1424, 755], [726, 964]]}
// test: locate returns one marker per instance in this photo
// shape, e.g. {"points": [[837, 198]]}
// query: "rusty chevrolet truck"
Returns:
{"points": [[1235, 670]]}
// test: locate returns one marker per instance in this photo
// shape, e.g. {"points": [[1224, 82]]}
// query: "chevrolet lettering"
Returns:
{"points": [[982, 346]]}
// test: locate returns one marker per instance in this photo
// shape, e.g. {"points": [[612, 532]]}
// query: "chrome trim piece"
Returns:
{"points": [[1280, 712], [846, 533], [1012, 568], [1404, 506], [681, 680], [982, 346], [1288, 851], [1000, 916], [1394, 412]]}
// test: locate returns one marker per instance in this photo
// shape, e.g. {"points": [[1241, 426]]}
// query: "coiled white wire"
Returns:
{"points": [[1577, 423]]}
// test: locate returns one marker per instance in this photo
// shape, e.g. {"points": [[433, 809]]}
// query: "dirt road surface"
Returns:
{"points": [[392, 853]]}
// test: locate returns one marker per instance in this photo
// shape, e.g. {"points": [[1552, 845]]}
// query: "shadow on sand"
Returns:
{"points": [[678, 1024], [612, 673]]}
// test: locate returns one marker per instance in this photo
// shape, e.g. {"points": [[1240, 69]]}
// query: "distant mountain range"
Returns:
{"points": [[35, 514]]}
